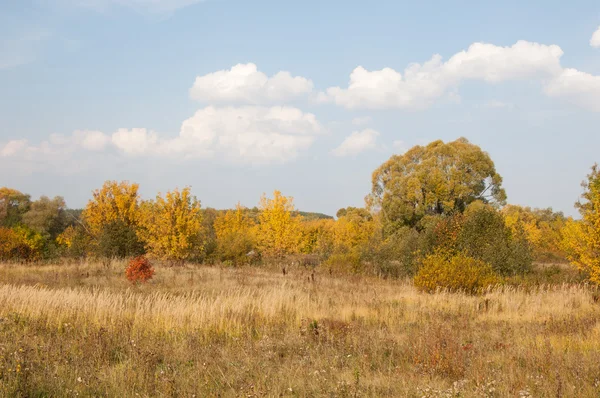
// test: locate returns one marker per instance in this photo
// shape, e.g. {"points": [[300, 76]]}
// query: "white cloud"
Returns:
{"points": [[250, 134], [420, 85], [359, 121], [595, 40], [579, 88], [243, 83], [13, 147], [357, 142], [91, 140], [247, 134]]}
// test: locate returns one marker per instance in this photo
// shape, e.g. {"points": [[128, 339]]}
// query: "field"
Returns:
{"points": [[83, 330]]}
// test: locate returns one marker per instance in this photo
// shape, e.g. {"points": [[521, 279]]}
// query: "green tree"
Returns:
{"points": [[47, 217], [440, 178], [13, 204]]}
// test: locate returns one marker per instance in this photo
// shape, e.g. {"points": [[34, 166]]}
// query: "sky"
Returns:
{"points": [[236, 98]]}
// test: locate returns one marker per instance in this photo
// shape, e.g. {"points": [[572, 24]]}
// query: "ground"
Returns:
{"points": [[83, 329]]}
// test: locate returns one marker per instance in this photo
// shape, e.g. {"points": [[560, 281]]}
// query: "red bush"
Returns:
{"points": [[139, 270]]}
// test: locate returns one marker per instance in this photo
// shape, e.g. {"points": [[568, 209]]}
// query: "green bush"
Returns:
{"points": [[485, 236], [454, 273]]}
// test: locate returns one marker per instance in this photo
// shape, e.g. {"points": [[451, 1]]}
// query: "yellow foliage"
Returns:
{"points": [[454, 273], [234, 231], [353, 230], [316, 236], [67, 236], [542, 228], [279, 230], [115, 201], [232, 222], [581, 239], [171, 227]]}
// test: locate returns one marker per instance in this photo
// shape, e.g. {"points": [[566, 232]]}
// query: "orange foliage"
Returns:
{"points": [[139, 270]]}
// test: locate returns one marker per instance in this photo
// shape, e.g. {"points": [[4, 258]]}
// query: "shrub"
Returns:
{"points": [[139, 270], [344, 263], [485, 236], [454, 273]]}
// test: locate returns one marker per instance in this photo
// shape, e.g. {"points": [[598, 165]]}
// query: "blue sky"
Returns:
{"points": [[237, 98]]}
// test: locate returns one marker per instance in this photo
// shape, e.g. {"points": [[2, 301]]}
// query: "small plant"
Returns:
{"points": [[139, 270], [454, 273]]}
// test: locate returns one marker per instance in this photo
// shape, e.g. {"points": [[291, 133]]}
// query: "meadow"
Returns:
{"points": [[81, 329]]}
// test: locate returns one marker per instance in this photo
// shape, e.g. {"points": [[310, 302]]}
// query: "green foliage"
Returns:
{"points": [[118, 240], [454, 273], [485, 236], [47, 217], [437, 179], [395, 256], [13, 204]]}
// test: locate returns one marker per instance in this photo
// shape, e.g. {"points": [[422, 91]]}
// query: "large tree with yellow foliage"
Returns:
{"points": [[234, 231], [582, 237], [114, 202], [440, 178], [279, 228], [171, 226]]}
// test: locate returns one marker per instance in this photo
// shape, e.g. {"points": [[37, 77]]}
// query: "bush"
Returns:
{"points": [[485, 236], [139, 270], [345, 263], [396, 256], [454, 273]]}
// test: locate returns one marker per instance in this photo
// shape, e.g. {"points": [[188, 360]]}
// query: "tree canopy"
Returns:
{"points": [[440, 178]]}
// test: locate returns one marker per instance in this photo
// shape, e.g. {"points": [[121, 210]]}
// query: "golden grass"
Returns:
{"points": [[82, 329]]}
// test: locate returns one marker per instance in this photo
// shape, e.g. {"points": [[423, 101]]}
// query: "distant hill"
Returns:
{"points": [[314, 216]]}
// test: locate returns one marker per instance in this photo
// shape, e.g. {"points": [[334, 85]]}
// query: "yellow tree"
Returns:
{"points": [[542, 228], [171, 226], [279, 229], [354, 228], [234, 233], [582, 238], [114, 202]]}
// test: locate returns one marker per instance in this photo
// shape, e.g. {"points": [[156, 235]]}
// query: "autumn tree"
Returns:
{"points": [[440, 178], [582, 238], [542, 228], [111, 219], [279, 229], [114, 202], [171, 226], [13, 204], [47, 217], [234, 235]]}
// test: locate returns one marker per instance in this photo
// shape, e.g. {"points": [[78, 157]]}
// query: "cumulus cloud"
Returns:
{"points": [[247, 134], [420, 84], [595, 40], [357, 142], [579, 88], [244, 83]]}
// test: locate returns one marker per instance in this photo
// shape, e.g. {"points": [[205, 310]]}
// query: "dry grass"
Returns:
{"points": [[83, 330]]}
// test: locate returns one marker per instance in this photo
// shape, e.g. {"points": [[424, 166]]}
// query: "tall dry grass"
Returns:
{"points": [[83, 330]]}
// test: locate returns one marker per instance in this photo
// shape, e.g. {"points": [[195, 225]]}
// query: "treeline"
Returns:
{"points": [[427, 208]]}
